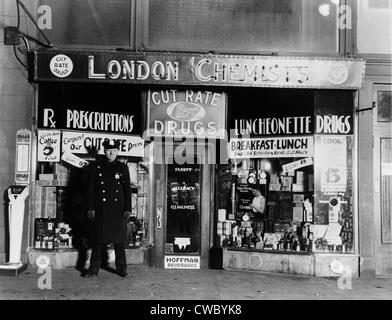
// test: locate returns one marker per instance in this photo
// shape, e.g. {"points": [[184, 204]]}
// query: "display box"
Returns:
{"points": [[298, 213], [60, 169], [310, 182], [48, 183], [298, 187], [298, 198], [221, 215], [45, 202], [47, 176], [287, 182], [300, 177], [274, 187]]}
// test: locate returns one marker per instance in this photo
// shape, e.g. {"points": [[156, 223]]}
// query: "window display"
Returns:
{"points": [[289, 204], [272, 208], [60, 209]]}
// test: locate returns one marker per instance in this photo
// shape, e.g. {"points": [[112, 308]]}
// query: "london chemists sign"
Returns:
{"points": [[198, 69]]}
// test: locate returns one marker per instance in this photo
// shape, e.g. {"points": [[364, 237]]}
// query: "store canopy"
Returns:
{"points": [[161, 68]]}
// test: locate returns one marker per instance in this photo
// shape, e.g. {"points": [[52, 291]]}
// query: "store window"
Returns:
{"points": [[374, 26], [89, 22], [384, 106], [73, 121], [288, 184], [242, 25]]}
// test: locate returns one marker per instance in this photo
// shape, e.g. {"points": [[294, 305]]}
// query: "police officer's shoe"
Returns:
{"points": [[89, 274], [122, 273]]}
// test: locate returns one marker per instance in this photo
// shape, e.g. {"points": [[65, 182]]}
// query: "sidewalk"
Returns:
{"points": [[145, 283]]}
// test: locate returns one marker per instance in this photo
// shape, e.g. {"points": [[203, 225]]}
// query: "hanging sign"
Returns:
{"points": [[297, 164], [23, 157], [84, 142], [74, 160], [200, 69], [49, 145], [287, 147], [331, 154], [189, 113]]}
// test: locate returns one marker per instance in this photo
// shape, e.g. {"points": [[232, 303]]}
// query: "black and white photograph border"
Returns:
{"points": [[196, 156]]}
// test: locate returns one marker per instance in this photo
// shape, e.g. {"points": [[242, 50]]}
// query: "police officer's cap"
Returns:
{"points": [[111, 144]]}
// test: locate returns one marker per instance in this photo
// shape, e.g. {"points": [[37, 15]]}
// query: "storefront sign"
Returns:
{"points": [[288, 147], [23, 157], [331, 162], [190, 69], [49, 142], [297, 164], [334, 124], [61, 66], [84, 142], [274, 126], [89, 107], [182, 262], [88, 120], [186, 114]]}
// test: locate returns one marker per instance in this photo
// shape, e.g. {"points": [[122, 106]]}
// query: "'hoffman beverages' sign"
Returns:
{"points": [[173, 113], [201, 69]]}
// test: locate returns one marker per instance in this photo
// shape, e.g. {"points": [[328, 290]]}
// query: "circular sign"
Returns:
{"points": [[338, 73], [333, 202], [61, 66], [42, 262], [337, 266], [262, 175], [255, 261]]}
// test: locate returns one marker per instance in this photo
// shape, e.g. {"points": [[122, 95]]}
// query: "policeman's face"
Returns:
{"points": [[111, 154]]}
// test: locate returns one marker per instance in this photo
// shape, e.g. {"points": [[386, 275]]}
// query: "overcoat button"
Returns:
{"points": [[104, 199], [115, 199], [101, 182], [103, 191], [100, 174]]}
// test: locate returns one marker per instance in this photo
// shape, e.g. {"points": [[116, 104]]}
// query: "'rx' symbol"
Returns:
{"points": [[48, 118]]}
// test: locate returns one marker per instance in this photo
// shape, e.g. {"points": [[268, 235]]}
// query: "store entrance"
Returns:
{"points": [[183, 203], [183, 208]]}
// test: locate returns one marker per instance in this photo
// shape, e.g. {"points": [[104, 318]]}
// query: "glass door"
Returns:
{"points": [[183, 209]]}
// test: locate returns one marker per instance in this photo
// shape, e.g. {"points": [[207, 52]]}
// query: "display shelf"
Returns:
{"points": [[270, 251]]}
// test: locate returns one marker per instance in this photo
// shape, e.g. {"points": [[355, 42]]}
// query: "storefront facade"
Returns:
{"points": [[206, 137]]}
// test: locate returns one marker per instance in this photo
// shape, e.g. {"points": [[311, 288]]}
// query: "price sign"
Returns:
{"points": [[332, 155]]}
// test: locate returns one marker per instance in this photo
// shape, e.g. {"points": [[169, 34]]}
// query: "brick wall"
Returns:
{"points": [[16, 103]]}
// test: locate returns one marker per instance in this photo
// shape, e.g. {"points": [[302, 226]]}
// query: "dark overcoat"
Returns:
{"points": [[109, 194]]}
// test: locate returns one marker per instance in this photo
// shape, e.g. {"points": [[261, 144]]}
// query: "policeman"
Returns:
{"points": [[109, 208]]}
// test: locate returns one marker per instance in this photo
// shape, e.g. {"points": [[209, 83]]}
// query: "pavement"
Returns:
{"points": [[146, 283]]}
